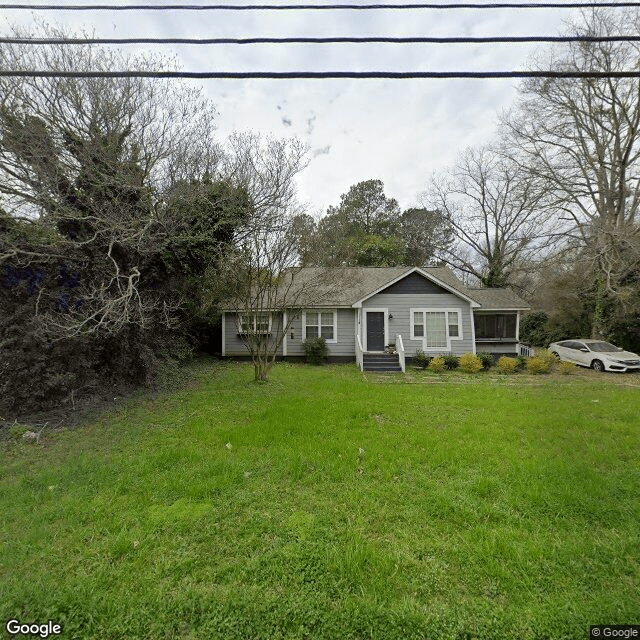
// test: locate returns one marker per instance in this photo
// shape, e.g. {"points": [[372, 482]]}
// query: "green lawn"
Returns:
{"points": [[327, 505]]}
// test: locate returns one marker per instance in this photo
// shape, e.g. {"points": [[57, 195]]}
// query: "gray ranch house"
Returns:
{"points": [[366, 309]]}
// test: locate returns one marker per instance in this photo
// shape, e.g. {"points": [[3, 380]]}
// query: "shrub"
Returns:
{"points": [[521, 362], [487, 360], [470, 363], [567, 368], [315, 350], [507, 365], [548, 357], [421, 359], [538, 365], [437, 364], [451, 362]]}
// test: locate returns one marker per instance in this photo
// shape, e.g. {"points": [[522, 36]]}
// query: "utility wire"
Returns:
{"points": [[320, 40], [317, 7], [289, 75]]}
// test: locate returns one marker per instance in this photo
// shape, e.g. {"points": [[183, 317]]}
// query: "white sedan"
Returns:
{"points": [[597, 354]]}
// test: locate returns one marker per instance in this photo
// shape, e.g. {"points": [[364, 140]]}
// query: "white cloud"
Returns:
{"points": [[398, 131]]}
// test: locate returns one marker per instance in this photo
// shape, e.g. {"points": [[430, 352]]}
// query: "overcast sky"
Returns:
{"points": [[399, 131]]}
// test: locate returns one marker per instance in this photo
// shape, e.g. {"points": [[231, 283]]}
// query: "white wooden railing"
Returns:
{"points": [[525, 350], [400, 350], [359, 352]]}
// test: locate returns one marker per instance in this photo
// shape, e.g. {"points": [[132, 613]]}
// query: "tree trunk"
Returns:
{"points": [[262, 371]]}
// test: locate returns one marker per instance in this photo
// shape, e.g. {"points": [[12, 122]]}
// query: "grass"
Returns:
{"points": [[324, 504]]}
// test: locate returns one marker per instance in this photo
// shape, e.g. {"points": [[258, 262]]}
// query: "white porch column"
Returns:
{"points": [[224, 334], [284, 328]]}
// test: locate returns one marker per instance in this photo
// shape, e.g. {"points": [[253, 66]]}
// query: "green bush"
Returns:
{"points": [[315, 350], [470, 363], [538, 365], [451, 362], [507, 365], [437, 364], [487, 360], [567, 368], [548, 357], [521, 362], [421, 359]]}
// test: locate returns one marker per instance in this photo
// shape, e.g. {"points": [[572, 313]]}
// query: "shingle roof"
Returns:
{"points": [[497, 299], [344, 286], [347, 285]]}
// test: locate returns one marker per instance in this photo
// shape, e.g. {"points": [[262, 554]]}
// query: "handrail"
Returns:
{"points": [[400, 350], [359, 352], [525, 350]]}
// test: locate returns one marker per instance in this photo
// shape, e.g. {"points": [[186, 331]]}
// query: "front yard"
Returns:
{"points": [[331, 504]]}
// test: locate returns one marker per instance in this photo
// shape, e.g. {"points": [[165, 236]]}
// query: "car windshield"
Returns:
{"points": [[602, 347]]}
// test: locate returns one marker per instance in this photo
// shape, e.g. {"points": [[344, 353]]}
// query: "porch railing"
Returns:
{"points": [[359, 352], [525, 350], [400, 350]]}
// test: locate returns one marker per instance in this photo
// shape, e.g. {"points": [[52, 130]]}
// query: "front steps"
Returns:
{"points": [[381, 362]]}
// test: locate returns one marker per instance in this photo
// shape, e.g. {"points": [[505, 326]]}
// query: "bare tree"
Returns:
{"points": [[582, 137], [258, 279], [85, 165], [497, 213]]}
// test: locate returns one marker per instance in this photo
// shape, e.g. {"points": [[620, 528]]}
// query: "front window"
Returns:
{"points": [[436, 325], [454, 324], [257, 323], [436, 328], [320, 324]]}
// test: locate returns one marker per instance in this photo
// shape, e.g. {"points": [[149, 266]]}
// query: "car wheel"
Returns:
{"points": [[597, 366], [556, 354]]}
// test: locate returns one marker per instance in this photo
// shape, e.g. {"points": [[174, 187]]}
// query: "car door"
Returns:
{"points": [[582, 357], [569, 350], [565, 351]]}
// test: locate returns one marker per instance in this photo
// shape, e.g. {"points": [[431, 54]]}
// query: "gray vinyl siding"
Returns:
{"points": [[346, 344], [413, 284], [399, 306], [497, 347], [233, 342]]}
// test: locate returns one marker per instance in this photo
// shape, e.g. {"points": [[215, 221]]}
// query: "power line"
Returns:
{"points": [[314, 7], [320, 40], [290, 75]]}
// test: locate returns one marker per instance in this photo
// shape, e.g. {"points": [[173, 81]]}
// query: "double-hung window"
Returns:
{"points": [[436, 327], [320, 324], [256, 323]]}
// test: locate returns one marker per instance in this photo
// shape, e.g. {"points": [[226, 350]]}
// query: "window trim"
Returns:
{"points": [[423, 338], [320, 311], [241, 317]]}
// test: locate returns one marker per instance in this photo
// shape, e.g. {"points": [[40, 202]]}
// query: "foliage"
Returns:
{"points": [[451, 362], [507, 365], [368, 229], [537, 365], [567, 368], [521, 362], [315, 350], [470, 363], [487, 360], [421, 360], [534, 329], [548, 357], [437, 364]]}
